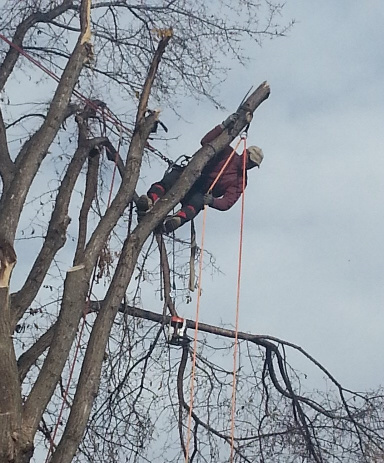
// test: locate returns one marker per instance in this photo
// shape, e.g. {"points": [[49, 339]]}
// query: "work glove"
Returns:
{"points": [[230, 120], [208, 199]]}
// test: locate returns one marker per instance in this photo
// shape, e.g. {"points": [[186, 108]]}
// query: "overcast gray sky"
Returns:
{"points": [[313, 265], [313, 269], [313, 262]]}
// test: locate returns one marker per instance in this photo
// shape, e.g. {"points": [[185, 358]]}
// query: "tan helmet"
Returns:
{"points": [[255, 156]]}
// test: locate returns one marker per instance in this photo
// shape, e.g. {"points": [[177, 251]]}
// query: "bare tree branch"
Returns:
{"points": [[6, 164], [30, 356]]}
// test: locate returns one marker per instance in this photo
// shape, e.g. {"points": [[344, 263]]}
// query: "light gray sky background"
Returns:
{"points": [[313, 263], [313, 266], [313, 259]]}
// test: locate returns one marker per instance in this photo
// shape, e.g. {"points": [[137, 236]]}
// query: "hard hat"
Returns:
{"points": [[255, 156]]}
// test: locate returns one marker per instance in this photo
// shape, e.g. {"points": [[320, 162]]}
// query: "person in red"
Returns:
{"points": [[224, 194]]}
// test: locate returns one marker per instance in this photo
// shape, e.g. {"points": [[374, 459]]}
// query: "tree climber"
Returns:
{"points": [[224, 194]]}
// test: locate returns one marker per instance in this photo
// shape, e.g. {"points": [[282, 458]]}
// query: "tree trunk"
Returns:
{"points": [[13, 443]]}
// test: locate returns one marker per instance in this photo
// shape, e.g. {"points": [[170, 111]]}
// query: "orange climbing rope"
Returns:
{"points": [[238, 304], [198, 298]]}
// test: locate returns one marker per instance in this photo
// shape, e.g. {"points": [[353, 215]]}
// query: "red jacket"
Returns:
{"points": [[229, 187]]}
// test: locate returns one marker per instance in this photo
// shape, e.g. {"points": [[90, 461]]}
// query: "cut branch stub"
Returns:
{"points": [[7, 262]]}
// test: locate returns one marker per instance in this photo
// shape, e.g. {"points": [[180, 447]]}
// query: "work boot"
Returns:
{"points": [[171, 223], [144, 203]]}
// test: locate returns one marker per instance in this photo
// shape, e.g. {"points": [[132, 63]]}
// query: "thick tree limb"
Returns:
{"points": [[90, 374], [6, 164], [89, 196], [10, 394], [143, 103], [11, 442], [129, 172], [73, 305], [28, 358]]}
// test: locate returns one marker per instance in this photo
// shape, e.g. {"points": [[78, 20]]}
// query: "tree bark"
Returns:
{"points": [[10, 396], [72, 308], [12, 440], [6, 164]]}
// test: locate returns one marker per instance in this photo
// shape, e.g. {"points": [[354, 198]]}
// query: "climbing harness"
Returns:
{"points": [[177, 329]]}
